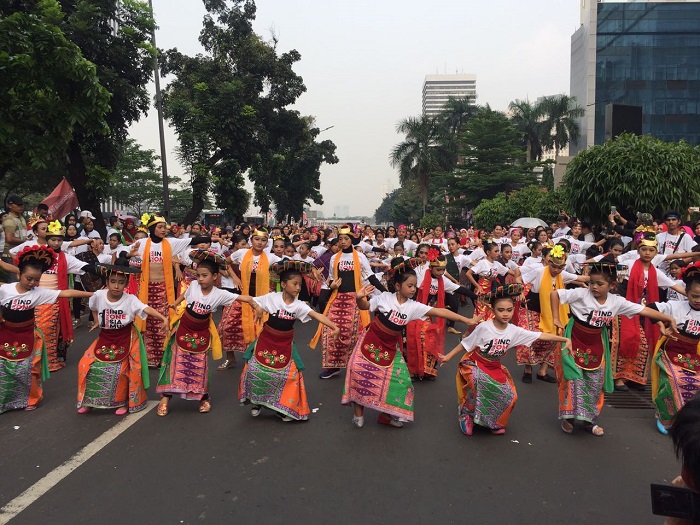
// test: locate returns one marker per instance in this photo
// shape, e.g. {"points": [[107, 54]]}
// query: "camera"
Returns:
{"points": [[675, 502]]}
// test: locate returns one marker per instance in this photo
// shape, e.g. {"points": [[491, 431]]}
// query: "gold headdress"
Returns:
{"points": [[345, 230], [262, 232], [433, 257], [55, 229], [557, 256], [645, 236], [34, 220], [151, 219]]}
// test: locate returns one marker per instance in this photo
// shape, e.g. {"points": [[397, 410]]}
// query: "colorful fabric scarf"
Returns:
{"points": [[546, 317], [629, 326], [262, 287]]}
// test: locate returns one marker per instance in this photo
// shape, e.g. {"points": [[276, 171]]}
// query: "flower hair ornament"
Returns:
{"points": [[642, 233], [43, 255], [55, 229], [557, 255], [691, 273], [433, 254], [151, 219]]}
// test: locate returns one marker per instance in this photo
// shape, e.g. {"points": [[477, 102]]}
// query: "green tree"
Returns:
{"points": [[385, 211], [548, 176], [456, 113], [427, 149], [491, 212], [561, 121], [635, 174], [528, 120], [492, 158]]}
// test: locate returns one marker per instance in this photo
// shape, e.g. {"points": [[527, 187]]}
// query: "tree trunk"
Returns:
{"points": [[423, 182], [529, 150], [200, 186], [87, 199]]}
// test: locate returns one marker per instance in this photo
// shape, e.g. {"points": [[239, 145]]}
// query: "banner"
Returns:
{"points": [[62, 200]]}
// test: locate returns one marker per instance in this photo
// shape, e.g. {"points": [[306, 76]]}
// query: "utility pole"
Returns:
{"points": [[161, 130]]}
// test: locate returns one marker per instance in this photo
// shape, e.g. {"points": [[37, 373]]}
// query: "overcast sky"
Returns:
{"points": [[364, 62]]}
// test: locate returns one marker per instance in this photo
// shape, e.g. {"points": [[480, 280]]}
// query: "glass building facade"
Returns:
{"points": [[648, 55]]}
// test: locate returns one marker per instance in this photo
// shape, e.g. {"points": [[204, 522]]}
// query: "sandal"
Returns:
{"points": [[204, 406], [226, 365], [595, 430], [498, 431], [527, 377], [567, 426], [84, 410], [162, 409], [121, 411]]}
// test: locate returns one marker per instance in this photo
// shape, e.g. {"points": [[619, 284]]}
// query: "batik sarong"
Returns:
{"points": [[231, 328], [481, 306], [153, 336], [540, 351], [272, 375], [104, 382], [634, 368], [424, 341], [674, 376], [346, 316], [184, 371], [377, 375], [485, 391], [49, 323], [21, 374]]}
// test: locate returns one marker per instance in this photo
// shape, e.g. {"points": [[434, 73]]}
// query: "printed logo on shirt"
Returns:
{"points": [[497, 347], [670, 246], [433, 289], [254, 268], [156, 257], [20, 305], [284, 314], [398, 318], [690, 327], [112, 319], [599, 318], [346, 266], [199, 308]]}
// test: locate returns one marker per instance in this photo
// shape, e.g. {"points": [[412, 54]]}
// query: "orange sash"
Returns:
{"points": [[145, 274], [546, 319], [262, 287]]}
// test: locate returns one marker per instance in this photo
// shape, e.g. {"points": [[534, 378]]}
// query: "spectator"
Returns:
{"points": [[15, 228]]}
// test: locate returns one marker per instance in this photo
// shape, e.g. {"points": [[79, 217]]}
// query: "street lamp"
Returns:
{"points": [[161, 130]]}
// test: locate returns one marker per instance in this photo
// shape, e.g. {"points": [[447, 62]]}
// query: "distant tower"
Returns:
{"points": [[437, 89]]}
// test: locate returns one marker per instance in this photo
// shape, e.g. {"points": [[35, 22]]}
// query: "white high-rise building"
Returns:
{"points": [[437, 89]]}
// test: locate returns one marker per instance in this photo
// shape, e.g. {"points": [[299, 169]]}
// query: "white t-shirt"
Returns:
{"points": [[94, 234], [462, 261], [669, 244], [487, 269], [307, 259], [202, 304], [586, 308], [273, 303], [397, 313], [476, 255], [687, 319], [177, 246], [317, 251], [347, 264], [237, 257], [74, 266], [12, 299], [408, 246], [520, 251], [117, 314], [560, 232], [535, 278], [423, 273], [674, 295], [576, 245], [574, 262], [628, 258], [494, 343]]}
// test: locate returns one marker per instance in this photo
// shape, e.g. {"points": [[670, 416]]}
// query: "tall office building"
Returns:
{"points": [[437, 89], [643, 54]]}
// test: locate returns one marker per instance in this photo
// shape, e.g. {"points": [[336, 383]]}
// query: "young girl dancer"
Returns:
{"points": [[185, 368], [488, 270], [677, 358], [23, 360], [113, 372], [272, 375], [378, 377], [585, 371], [485, 390]]}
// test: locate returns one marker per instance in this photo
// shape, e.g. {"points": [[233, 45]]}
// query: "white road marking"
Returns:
{"points": [[41, 487]]}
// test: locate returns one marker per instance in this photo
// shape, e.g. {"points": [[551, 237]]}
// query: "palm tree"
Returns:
{"points": [[456, 113], [427, 149], [561, 124], [527, 118]]}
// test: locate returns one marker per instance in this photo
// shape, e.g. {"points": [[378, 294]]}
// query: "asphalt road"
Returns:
{"points": [[226, 467]]}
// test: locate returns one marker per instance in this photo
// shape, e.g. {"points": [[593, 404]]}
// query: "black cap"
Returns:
{"points": [[15, 199]]}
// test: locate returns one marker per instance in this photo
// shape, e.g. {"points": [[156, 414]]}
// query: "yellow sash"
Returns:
{"points": [[364, 314], [262, 287], [167, 273], [546, 319]]}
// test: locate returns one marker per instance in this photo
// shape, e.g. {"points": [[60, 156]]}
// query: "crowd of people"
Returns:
{"points": [[607, 308]]}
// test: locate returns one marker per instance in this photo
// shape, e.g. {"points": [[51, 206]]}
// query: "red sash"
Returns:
{"points": [[380, 344], [192, 334], [629, 327], [683, 353], [113, 346], [492, 367], [16, 340], [588, 346], [273, 348]]}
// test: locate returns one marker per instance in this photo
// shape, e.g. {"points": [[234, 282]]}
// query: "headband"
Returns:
{"points": [[151, 219], [260, 233], [557, 255], [34, 220], [55, 229]]}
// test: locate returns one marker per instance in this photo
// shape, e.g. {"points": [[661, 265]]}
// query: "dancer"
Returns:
{"points": [[537, 315], [185, 368], [488, 270], [113, 371], [425, 338], [585, 371], [23, 359], [378, 377], [272, 375], [485, 390], [349, 271], [677, 358]]}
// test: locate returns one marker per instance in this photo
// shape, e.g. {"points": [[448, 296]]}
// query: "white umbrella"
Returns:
{"points": [[529, 222]]}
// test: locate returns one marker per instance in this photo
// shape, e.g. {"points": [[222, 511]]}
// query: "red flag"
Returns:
{"points": [[62, 200]]}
